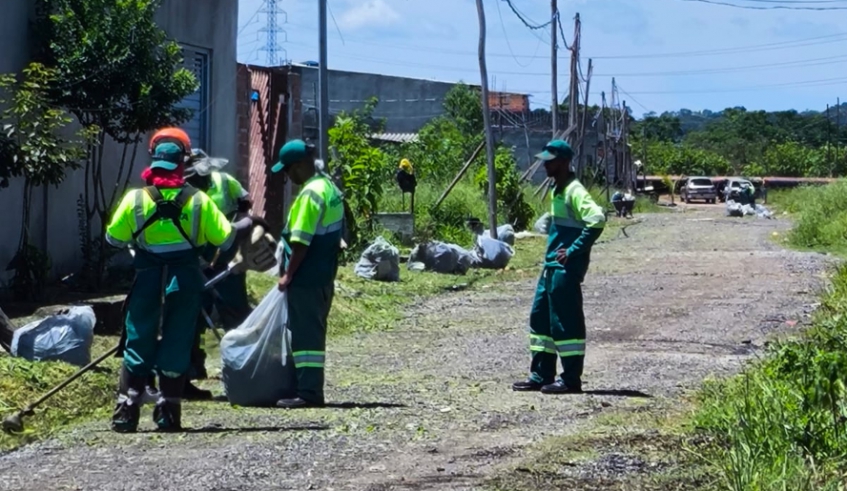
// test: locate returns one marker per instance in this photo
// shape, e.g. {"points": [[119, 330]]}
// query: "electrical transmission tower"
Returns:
{"points": [[272, 30]]}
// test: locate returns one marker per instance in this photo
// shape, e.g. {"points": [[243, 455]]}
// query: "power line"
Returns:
{"points": [[509, 44], [796, 43], [789, 64], [769, 7], [525, 21]]}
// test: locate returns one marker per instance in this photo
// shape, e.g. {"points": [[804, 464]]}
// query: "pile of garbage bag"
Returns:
{"points": [[66, 336], [440, 257], [380, 262], [256, 368], [736, 209], [491, 253], [505, 233]]}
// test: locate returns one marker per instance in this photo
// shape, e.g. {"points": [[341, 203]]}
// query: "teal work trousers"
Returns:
{"points": [[143, 350], [557, 328], [308, 310]]}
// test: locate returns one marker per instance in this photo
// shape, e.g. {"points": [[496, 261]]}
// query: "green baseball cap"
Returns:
{"points": [[292, 152], [556, 149], [167, 156]]}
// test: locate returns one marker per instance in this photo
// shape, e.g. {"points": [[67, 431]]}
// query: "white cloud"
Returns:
{"points": [[368, 13]]}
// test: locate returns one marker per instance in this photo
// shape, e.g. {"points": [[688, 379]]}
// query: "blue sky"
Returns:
{"points": [[760, 59]]}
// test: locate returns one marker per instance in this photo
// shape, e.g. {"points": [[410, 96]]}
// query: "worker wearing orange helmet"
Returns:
{"points": [[167, 223]]}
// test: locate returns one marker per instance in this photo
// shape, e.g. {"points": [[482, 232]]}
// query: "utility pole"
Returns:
{"points": [[554, 66], [829, 140], [605, 128], [627, 162], [486, 114], [837, 133], [584, 121], [573, 108], [323, 84]]}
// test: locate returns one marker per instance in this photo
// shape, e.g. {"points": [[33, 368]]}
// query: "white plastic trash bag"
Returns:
{"points": [[63, 337], [542, 226], [380, 261], [492, 253], [255, 355]]}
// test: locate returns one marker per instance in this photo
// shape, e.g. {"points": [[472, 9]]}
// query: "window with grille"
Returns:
{"points": [[197, 61]]}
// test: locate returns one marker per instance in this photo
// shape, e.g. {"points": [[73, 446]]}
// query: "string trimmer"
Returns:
{"points": [[256, 255]]}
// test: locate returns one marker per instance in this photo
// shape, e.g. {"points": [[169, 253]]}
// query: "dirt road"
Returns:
{"points": [[428, 406]]}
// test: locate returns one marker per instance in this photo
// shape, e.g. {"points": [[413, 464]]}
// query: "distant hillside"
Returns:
{"points": [[691, 121]]}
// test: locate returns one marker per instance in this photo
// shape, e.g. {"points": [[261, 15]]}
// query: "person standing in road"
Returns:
{"points": [[166, 223], [312, 238], [557, 321], [233, 305]]}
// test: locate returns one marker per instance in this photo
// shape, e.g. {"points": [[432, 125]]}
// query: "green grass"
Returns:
{"points": [[21, 382], [782, 423], [820, 216]]}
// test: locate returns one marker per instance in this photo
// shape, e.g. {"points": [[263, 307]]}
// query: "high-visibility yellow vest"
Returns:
{"points": [[200, 219]]}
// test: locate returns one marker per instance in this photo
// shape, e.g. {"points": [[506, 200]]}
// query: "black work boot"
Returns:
{"points": [[127, 414], [168, 415], [527, 385], [560, 387], [168, 411], [297, 403], [128, 409], [194, 393]]}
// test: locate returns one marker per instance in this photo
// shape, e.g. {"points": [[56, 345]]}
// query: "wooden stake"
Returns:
{"points": [[489, 137], [554, 69], [459, 175]]}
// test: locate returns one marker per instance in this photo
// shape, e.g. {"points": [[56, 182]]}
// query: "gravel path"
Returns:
{"points": [[428, 406]]}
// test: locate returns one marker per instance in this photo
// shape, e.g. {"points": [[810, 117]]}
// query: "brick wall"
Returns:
{"points": [[244, 89]]}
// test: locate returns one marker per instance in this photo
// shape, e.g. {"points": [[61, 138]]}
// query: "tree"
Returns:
{"points": [[362, 166], [33, 148], [119, 73]]}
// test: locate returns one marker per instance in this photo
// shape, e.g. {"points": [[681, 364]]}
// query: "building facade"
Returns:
{"points": [[208, 37]]}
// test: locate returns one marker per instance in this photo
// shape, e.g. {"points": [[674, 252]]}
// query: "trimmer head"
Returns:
{"points": [[14, 423]]}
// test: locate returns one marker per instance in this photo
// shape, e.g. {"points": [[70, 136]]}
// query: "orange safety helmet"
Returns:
{"points": [[172, 135]]}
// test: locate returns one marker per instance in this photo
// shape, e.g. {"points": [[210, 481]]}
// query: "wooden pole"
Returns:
{"points": [[486, 114], [554, 67], [573, 108], [459, 175], [584, 122]]}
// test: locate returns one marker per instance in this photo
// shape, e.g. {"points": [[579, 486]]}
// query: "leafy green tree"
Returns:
{"points": [[511, 200], [118, 73], [34, 149], [362, 167]]}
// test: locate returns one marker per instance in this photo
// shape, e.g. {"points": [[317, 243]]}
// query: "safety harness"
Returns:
{"points": [[167, 209]]}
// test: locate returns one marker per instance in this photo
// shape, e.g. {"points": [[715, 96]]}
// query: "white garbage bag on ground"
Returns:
{"points": [[542, 225], [380, 261], [505, 233], [63, 337], [440, 258], [254, 356], [491, 253]]}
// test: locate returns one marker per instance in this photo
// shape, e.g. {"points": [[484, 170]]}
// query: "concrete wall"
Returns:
{"points": [[406, 103], [54, 219]]}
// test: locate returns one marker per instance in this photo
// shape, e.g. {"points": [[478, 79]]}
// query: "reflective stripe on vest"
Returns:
{"points": [[562, 209], [332, 214], [141, 217]]}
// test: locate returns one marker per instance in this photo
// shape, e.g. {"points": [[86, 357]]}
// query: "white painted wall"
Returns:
{"points": [[54, 219]]}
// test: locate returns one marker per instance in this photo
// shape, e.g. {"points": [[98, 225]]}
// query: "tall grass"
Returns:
{"points": [[820, 215], [782, 423]]}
